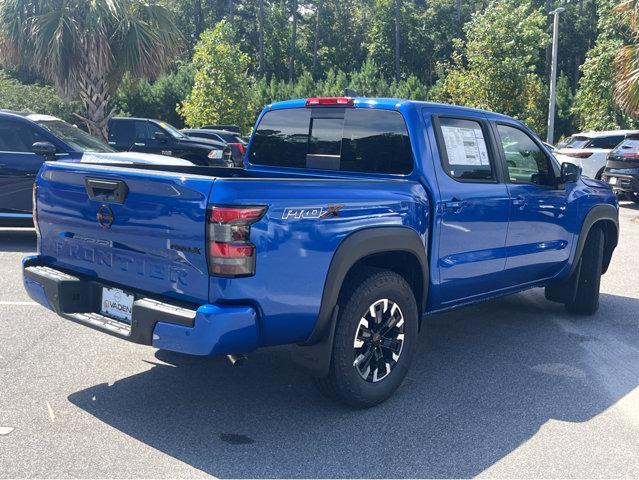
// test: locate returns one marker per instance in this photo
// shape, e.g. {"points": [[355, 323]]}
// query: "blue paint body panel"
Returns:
{"points": [[489, 247], [217, 331]]}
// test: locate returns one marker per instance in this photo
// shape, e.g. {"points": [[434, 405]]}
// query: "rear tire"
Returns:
{"points": [[586, 300], [372, 353]]}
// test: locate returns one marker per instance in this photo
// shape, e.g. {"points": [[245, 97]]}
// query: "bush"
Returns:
{"points": [[34, 98]]}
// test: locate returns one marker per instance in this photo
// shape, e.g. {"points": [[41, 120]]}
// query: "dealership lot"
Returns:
{"points": [[514, 387]]}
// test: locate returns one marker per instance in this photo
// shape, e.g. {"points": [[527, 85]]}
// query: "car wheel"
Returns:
{"points": [[634, 196], [600, 173], [375, 339], [586, 300]]}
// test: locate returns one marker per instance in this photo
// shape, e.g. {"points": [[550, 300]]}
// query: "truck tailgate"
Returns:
{"points": [[139, 229]]}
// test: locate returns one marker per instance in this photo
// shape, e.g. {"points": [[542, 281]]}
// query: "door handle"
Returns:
{"points": [[103, 190], [520, 202], [455, 205], [139, 144]]}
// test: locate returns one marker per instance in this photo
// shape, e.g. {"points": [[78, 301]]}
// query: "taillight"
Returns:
{"points": [[577, 154], [230, 252], [34, 212], [240, 147], [328, 101]]}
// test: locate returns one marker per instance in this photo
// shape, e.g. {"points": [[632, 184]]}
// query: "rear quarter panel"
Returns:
{"points": [[294, 254]]}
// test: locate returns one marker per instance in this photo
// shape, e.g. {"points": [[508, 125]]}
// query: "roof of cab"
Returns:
{"points": [[388, 104]]}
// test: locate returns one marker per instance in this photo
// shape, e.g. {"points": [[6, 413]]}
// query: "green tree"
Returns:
{"points": [[84, 47], [157, 99], [496, 68], [564, 121], [17, 96], [595, 106], [222, 89]]}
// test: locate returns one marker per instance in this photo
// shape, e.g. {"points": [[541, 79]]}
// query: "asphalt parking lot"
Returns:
{"points": [[514, 387]]}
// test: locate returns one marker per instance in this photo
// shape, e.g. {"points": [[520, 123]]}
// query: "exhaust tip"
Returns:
{"points": [[237, 359]]}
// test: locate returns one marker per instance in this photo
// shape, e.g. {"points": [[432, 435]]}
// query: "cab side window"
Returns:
{"points": [[526, 162], [153, 129], [141, 131]]}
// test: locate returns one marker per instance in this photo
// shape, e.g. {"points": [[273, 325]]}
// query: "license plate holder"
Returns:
{"points": [[117, 303]]}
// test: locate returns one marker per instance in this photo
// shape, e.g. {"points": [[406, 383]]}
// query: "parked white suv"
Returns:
{"points": [[590, 150]]}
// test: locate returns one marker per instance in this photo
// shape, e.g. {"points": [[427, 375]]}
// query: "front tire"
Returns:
{"points": [[586, 300], [375, 339]]}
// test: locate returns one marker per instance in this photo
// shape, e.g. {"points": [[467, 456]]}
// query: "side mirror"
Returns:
{"points": [[160, 136], [570, 172], [46, 149]]}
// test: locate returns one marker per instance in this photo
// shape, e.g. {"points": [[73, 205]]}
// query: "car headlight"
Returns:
{"points": [[215, 154]]}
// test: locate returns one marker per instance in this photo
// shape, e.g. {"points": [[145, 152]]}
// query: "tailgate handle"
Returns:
{"points": [[114, 191]]}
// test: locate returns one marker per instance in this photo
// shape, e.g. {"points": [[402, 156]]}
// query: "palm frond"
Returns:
{"points": [[627, 79]]}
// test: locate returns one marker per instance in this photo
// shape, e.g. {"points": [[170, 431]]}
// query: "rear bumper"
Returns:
{"points": [[203, 330], [623, 182]]}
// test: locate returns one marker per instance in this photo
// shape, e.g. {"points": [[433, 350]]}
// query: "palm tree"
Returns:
{"points": [[84, 47], [291, 60], [627, 61], [318, 14], [260, 20]]}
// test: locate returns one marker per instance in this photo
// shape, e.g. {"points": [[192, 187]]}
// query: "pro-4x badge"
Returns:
{"points": [[299, 213]]}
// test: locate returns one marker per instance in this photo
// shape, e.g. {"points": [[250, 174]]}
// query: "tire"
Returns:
{"points": [[383, 363], [634, 196], [586, 300], [600, 173]]}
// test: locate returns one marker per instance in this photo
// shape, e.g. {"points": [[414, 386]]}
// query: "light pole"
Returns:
{"points": [[553, 75]]}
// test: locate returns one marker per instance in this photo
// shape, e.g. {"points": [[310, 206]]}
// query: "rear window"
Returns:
{"points": [[577, 142], [344, 139], [629, 145]]}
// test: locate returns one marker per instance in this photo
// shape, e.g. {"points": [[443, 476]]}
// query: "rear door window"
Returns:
{"points": [[122, 132], [605, 142], [344, 139], [463, 150]]}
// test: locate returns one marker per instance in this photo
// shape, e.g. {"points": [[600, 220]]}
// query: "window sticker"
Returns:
{"points": [[465, 146]]}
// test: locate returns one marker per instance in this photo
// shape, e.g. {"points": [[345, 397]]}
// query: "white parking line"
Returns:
{"points": [[18, 303]]}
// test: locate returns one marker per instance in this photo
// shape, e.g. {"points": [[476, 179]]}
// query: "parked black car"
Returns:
{"points": [[154, 136], [232, 139], [229, 128], [622, 167]]}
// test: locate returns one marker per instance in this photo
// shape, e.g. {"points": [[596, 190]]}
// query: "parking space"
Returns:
{"points": [[514, 387]]}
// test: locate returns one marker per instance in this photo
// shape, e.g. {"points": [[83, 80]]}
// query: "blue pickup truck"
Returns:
{"points": [[353, 219]]}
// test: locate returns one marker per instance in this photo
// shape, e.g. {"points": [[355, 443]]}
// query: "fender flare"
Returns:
{"points": [[314, 354], [595, 214]]}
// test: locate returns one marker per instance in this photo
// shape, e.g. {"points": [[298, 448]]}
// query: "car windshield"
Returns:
{"points": [[577, 142], [174, 132], [74, 137]]}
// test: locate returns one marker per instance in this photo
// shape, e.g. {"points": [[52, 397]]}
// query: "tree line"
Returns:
{"points": [[210, 61]]}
